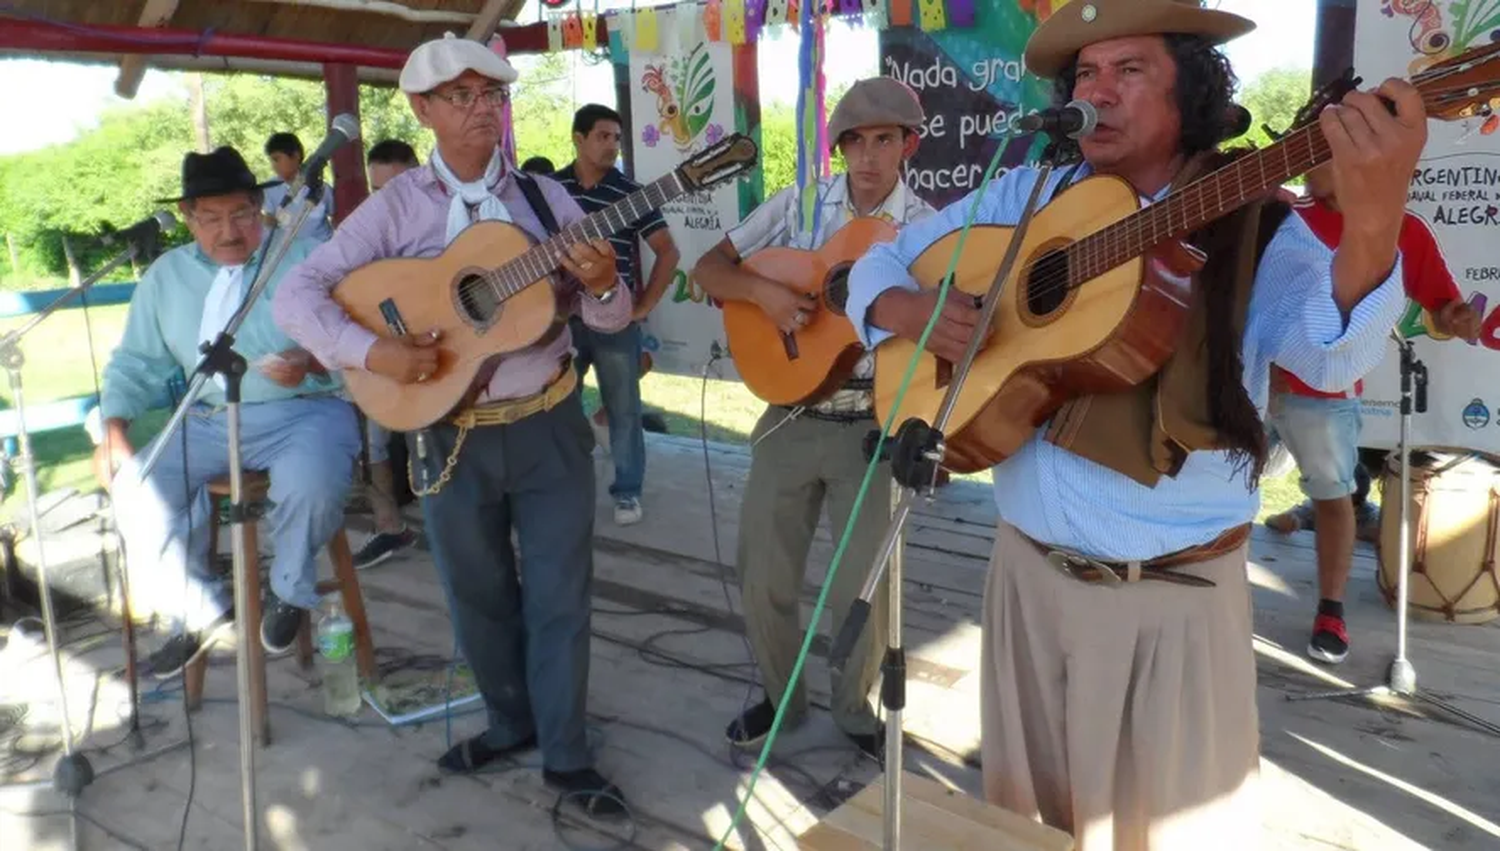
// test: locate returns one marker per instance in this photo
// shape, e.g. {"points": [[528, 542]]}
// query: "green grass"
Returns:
{"points": [[58, 366]]}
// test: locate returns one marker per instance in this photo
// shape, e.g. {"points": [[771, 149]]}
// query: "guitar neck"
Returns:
{"points": [[545, 257], [1206, 200]]}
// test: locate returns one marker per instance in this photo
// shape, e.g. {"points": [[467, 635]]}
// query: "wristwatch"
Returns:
{"points": [[609, 294]]}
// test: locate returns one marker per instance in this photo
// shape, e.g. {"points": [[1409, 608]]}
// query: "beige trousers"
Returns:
{"points": [[1124, 715], [796, 471]]}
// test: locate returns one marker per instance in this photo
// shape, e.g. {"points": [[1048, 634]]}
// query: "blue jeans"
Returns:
{"points": [[616, 359], [1323, 437], [308, 446]]}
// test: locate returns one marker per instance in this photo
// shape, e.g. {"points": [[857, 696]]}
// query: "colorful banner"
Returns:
{"points": [[682, 102], [1456, 190], [972, 86]]}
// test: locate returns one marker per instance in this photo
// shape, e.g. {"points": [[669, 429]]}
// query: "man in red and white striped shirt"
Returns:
{"points": [[1322, 429]]}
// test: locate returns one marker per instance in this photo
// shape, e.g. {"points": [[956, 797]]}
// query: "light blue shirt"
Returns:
{"points": [[161, 334], [318, 224], [1057, 497]]}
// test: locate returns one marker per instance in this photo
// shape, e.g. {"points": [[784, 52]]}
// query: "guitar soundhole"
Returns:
{"points": [[1047, 283], [477, 298], [836, 291]]}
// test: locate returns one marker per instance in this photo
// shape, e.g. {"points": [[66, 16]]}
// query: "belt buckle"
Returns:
{"points": [[1073, 565]]}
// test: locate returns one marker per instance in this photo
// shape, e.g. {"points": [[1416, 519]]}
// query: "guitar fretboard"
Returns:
{"points": [[1190, 208], [546, 257], [1249, 177]]}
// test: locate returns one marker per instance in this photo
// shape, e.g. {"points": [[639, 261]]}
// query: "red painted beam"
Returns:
{"points": [[42, 37], [350, 186]]}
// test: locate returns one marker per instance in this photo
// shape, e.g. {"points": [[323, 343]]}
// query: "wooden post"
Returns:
{"points": [[199, 106], [15, 260], [1333, 40], [75, 276], [350, 184]]}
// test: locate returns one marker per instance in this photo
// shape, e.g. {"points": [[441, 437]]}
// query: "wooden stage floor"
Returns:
{"points": [[670, 670]]}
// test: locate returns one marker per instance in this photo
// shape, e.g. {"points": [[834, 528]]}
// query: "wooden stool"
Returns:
{"points": [[257, 485], [933, 818]]}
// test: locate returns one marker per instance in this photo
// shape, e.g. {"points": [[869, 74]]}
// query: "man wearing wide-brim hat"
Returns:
{"points": [[803, 459], [292, 423], [521, 457], [1118, 680]]}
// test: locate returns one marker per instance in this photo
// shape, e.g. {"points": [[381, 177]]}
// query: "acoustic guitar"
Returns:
{"points": [[807, 366], [491, 292], [1099, 291]]}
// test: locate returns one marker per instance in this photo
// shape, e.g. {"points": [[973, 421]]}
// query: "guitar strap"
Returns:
{"points": [[538, 202]]}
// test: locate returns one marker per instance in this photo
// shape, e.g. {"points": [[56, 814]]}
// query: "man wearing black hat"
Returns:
{"points": [[291, 423], [804, 457]]}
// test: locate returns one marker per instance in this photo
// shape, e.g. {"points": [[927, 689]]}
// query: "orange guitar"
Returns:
{"points": [[808, 366], [1099, 291], [490, 292]]}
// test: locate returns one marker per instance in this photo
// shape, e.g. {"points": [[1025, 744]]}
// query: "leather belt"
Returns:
{"points": [[1098, 572], [507, 411]]}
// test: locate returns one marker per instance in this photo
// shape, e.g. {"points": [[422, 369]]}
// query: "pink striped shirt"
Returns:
{"points": [[408, 218]]}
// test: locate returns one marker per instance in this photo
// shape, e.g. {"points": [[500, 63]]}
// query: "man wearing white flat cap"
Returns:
{"points": [[523, 626]]}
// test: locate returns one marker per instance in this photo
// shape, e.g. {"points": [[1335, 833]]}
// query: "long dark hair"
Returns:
{"points": [[1205, 92]]}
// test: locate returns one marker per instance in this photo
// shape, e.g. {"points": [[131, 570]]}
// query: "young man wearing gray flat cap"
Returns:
{"points": [[522, 456], [803, 457]]}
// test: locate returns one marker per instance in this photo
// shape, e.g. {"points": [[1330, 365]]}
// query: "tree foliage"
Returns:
{"points": [[1273, 99]]}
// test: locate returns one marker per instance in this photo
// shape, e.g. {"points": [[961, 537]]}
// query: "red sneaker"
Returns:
{"points": [[1330, 640]]}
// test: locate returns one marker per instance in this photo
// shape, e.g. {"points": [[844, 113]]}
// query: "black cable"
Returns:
{"points": [[715, 353]]}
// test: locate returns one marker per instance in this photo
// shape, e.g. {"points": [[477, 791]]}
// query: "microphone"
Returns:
{"points": [[341, 131], [144, 234], [1076, 120]]}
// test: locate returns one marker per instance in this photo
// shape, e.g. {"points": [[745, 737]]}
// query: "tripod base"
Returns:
{"points": [[1403, 685]]}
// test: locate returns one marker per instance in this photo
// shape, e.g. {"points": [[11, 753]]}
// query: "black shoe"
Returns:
{"points": [[279, 626], [1330, 639], [872, 744], [588, 789], [382, 547], [754, 724], [183, 648]]}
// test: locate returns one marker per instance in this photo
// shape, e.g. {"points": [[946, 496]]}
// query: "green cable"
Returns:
{"points": [[864, 487]]}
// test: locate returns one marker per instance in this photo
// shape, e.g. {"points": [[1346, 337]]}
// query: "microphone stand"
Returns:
{"points": [[220, 358], [73, 771], [1402, 677], [916, 456]]}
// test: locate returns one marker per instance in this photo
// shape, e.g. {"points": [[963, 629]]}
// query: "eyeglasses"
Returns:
{"points": [[465, 98], [239, 219]]}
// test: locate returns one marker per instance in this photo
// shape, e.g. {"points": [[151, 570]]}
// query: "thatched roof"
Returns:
{"points": [[379, 25]]}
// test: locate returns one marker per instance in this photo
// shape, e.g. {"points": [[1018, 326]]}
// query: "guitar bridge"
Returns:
{"points": [[393, 318], [789, 342]]}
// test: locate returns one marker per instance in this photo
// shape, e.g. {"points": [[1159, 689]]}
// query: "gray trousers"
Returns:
{"points": [[522, 624], [794, 471]]}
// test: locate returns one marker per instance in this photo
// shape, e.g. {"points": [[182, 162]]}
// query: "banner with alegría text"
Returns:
{"points": [[1456, 190]]}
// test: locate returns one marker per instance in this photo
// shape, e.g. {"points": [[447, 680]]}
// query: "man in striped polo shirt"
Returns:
{"points": [[595, 183]]}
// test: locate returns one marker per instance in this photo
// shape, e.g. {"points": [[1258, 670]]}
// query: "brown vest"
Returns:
{"points": [[1147, 431]]}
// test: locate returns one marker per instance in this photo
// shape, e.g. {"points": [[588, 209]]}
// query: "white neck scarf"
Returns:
{"points": [[224, 297], [481, 192]]}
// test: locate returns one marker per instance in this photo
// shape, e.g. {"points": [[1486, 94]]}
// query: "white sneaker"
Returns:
{"points": [[627, 511]]}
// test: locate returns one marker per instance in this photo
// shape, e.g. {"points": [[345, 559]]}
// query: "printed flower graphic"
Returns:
{"points": [[650, 135], [714, 133]]}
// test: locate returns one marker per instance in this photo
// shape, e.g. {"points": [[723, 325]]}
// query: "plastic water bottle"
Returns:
{"points": [[336, 663]]}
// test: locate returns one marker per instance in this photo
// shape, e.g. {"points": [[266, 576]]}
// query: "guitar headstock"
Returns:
{"points": [[729, 158], [1330, 93], [1464, 86]]}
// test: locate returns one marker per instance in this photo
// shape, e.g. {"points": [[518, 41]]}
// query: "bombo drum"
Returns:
{"points": [[1455, 533]]}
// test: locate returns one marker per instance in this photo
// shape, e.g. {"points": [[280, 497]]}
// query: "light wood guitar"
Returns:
{"points": [[491, 292], [807, 366], [1099, 292]]}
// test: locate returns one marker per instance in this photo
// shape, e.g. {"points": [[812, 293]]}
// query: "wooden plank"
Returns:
{"points": [[933, 818], [154, 13]]}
